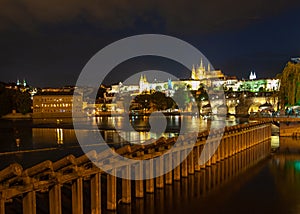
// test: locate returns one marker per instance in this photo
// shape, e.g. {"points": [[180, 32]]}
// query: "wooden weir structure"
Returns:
{"points": [[241, 146]]}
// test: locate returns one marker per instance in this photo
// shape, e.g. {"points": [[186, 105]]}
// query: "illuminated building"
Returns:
{"points": [[55, 104], [144, 84], [252, 76]]}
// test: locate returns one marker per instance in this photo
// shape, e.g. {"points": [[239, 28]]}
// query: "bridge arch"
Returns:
{"points": [[254, 107]]}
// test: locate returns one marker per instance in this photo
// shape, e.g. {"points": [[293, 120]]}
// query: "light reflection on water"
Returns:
{"points": [[273, 186], [41, 133]]}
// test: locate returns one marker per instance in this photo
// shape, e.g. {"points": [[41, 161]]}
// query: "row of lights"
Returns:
{"points": [[56, 105]]}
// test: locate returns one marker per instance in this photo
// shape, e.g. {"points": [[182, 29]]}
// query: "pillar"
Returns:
{"points": [[159, 167], [96, 194], [176, 156], [111, 192], [29, 203], [184, 164], [168, 163], [55, 199], [126, 185], [139, 184], [2, 205], [190, 162], [196, 158], [77, 196], [149, 174]]}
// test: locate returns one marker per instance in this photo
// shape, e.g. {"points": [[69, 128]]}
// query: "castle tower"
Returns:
{"points": [[193, 75], [201, 73], [201, 64], [170, 85], [252, 76], [143, 85]]}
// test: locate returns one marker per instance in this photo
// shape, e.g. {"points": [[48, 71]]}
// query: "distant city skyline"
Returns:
{"points": [[49, 47]]}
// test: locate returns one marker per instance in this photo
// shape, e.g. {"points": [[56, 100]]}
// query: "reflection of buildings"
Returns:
{"points": [[56, 104], [51, 137], [59, 136]]}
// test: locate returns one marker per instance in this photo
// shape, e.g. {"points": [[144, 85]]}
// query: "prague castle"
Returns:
{"points": [[200, 72]]}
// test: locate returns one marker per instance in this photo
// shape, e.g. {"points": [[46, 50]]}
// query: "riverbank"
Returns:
{"points": [[17, 116]]}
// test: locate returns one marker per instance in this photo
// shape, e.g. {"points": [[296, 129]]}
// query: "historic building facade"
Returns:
{"points": [[55, 104]]}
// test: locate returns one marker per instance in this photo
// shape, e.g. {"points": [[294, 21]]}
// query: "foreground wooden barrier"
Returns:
{"points": [[241, 146]]}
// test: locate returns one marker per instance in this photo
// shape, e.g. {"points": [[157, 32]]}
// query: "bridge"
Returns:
{"points": [[246, 102], [241, 147]]}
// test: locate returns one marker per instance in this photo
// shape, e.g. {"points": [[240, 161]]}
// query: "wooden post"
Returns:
{"points": [[111, 192], [196, 158], [96, 194], [55, 199], [203, 153], [29, 203], [149, 174], [168, 163], [226, 146], [213, 156], [126, 185], [176, 156], [184, 167], [207, 151], [139, 184], [159, 167], [77, 196], [2, 204], [191, 164]]}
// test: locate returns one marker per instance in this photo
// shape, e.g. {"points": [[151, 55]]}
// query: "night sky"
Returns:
{"points": [[49, 42]]}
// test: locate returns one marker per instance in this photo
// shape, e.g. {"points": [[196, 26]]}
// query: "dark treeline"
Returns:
{"points": [[14, 99]]}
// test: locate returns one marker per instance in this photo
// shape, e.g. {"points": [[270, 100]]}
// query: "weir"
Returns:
{"points": [[241, 147]]}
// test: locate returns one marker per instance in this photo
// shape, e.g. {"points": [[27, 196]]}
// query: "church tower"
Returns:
{"points": [[143, 85], [201, 71], [193, 75], [252, 76]]}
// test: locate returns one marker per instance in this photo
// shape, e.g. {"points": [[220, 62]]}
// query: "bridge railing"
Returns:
{"points": [[240, 147]]}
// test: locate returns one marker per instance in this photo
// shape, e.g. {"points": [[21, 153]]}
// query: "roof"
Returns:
{"points": [[61, 93]]}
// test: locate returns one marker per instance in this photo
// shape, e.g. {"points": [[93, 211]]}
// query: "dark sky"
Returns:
{"points": [[49, 42]]}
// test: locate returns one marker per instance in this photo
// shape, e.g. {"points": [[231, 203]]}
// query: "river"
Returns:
{"points": [[271, 186]]}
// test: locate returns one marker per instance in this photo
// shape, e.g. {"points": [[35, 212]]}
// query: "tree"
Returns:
{"points": [[159, 101], [290, 84], [14, 99], [181, 97], [143, 100], [23, 102], [5, 101], [158, 88]]}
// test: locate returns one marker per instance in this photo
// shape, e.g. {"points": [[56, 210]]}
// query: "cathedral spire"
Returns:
{"points": [[193, 75], [201, 64]]}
